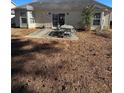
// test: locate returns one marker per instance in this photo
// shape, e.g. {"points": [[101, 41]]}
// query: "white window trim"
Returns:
{"points": [[97, 19]]}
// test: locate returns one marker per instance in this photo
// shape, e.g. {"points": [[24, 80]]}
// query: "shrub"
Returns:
{"points": [[87, 15]]}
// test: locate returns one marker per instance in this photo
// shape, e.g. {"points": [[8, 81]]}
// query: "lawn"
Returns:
{"points": [[61, 66]]}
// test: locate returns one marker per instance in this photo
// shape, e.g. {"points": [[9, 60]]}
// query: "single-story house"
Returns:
{"points": [[13, 5], [50, 13]]}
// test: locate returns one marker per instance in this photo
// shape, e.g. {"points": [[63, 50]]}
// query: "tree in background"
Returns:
{"points": [[87, 15]]}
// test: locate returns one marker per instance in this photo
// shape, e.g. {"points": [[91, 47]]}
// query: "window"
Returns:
{"points": [[96, 20], [23, 14], [23, 17], [97, 15], [12, 12], [24, 20]]}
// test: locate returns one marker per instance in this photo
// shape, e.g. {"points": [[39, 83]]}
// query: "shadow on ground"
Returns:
{"points": [[43, 67], [24, 63], [45, 48], [22, 88]]}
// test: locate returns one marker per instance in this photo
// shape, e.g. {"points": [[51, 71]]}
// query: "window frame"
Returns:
{"points": [[22, 21], [96, 22], [97, 18], [23, 14]]}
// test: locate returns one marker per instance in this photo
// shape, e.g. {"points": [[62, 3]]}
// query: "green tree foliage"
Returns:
{"points": [[87, 15]]}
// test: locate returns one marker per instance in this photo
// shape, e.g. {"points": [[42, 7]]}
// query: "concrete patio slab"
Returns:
{"points": [[44, 33]]}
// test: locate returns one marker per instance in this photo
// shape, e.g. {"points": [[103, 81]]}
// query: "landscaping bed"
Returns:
{"points": [[61, 66]]}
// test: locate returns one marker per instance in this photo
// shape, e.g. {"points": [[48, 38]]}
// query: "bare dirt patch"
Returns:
{"points": [[59, 66]]}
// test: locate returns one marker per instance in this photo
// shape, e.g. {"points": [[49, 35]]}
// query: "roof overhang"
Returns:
{"points": [[13, 3], [25, 7]]}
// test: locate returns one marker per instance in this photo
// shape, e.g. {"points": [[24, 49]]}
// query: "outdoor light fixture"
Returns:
{"points": [[67, 13]]}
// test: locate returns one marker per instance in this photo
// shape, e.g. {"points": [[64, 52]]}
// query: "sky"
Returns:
{"points": [[22, 2]]}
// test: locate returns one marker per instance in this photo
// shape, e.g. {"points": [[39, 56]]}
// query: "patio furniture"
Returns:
{"points": [[68, 27], [63, 31]]}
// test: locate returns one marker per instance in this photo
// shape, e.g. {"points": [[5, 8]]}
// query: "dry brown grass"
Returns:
{"points": [[105, 34], [15, 32], [47, 66]]}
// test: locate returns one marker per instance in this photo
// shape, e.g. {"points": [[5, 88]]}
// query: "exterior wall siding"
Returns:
{"points": [[107, 21], [17, 18], [74, 19], [43, 17]]}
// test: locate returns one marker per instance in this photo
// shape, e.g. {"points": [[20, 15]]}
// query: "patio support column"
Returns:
{"points": [[28, 19], [102, 21]]}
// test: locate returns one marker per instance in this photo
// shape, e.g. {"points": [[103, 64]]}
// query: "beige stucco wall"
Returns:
{"points": [[43, 18], [107, 21], [74, 19]]}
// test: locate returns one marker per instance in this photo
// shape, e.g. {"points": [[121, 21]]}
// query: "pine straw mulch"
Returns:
{"points": [[50, 66]]}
